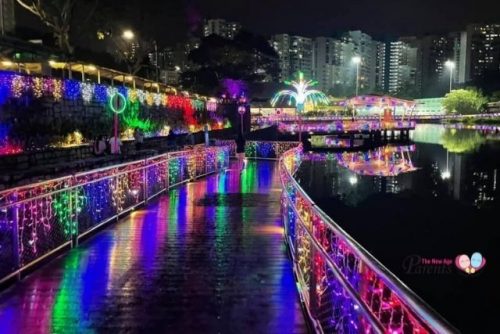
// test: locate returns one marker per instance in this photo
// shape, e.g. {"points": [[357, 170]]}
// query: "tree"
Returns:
{"points": [[465, 101], [245, 58], [408, 91], [132, 53], [58, 16]]}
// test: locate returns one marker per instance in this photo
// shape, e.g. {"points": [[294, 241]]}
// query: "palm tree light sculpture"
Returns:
{"points": [[302, 95]]}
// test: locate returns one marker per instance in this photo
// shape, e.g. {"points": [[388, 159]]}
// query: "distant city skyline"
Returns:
{"points": [[172, 21]]}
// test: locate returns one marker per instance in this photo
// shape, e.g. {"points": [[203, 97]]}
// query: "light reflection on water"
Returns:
{"points": [[443, 208]]}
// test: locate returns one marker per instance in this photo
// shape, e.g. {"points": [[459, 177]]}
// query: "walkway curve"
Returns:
{"points": [[207, 257]]}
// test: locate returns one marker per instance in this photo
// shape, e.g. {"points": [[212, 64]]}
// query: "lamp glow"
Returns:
{"points": [[128, 34], [445, 175], [356, 59], [450, 64]]}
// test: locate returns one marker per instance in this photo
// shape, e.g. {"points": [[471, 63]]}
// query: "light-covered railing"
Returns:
{"points": [[39, 219], [271, 150], [345, 126], [345, 289], [275, 119]]}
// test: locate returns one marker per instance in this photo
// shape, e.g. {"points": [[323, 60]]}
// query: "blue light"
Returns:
{"points": [[72, 90], [100, 93]]}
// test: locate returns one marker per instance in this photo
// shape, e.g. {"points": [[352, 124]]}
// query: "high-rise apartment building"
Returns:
{"points": [[295, 54], [325, 59], [381, 67], [221, 28], [365, 48], [402, 60], [483, 50]]}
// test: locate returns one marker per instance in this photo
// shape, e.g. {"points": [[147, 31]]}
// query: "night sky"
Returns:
{"points": [[170, 20]]}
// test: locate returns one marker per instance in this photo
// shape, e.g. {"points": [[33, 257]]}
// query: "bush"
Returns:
{"points": [[465, 101]]}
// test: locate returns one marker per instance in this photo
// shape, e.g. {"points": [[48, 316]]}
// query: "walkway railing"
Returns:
{"points": [[271, 150], [345, 289], [346, 126], [39, 219]]}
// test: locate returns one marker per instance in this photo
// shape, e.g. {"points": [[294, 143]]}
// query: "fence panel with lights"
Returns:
{"points": [[344, 288], [40, 219], [271, 150]]}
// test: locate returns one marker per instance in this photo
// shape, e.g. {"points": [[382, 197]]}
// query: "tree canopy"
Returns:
{"points": [[248, 57], [59, 15], [465, 101]]}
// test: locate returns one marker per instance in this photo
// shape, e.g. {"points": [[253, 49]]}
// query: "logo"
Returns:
{"points": [[470, 265]]}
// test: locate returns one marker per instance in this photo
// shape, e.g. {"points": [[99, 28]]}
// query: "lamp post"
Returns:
{"points": [[241, 110], [451, 66], [357, 60]]}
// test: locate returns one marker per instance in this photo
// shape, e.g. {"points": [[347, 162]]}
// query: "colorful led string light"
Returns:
{"points": [[338, 311]]}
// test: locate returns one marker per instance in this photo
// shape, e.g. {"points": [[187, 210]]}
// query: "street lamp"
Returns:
{"points": [[451, 66], [357, 60], [128, 34]]}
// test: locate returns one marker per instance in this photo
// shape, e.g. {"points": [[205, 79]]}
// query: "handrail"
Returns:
{"points": [[39, 219], [429, 319]]}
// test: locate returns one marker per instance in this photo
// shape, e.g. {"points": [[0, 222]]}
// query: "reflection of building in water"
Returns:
{"points": [[387, 185], [458, 173], [484, 186]]}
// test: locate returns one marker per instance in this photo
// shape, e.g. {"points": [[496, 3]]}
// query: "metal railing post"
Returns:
{"points": [[15, 240], [167, 173], [145, 181]]}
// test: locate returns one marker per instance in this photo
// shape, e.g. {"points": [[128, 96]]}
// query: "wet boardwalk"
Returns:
{"points": [[206, 258]]}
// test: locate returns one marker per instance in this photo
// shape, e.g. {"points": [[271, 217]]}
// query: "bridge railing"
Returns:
{"points": [[345, 289], [39, 219], [346, 126], [271, 150]]}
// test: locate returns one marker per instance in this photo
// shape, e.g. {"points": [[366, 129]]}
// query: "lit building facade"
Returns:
{"points": [[436, 50], [403, 66], [295, 54], [324, 62], [221, 28], [483, 50]]}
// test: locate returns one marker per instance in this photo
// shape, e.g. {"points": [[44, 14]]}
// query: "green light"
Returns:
{"points": [[120, 107]]}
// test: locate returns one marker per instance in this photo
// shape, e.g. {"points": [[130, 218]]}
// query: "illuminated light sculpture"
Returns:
{"points": [[118, 104], [302, 95]]}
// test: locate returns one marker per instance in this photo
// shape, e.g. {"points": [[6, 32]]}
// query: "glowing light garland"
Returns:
{"points": [[50, 213], [318, 245], [100, 93], [15, 86], [87, 92], [37, 87]]}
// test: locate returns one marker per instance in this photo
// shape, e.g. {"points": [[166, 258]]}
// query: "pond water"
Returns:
{"points": [[417, 208]]}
